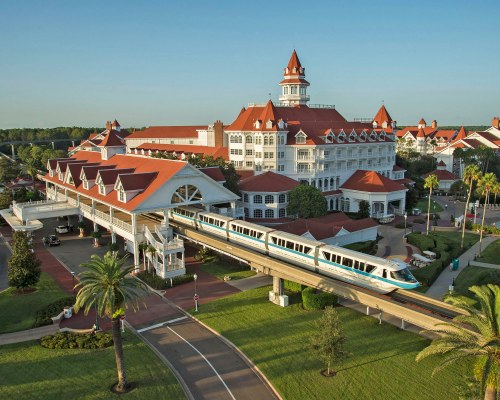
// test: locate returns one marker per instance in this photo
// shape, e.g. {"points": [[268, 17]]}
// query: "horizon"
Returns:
{"points": [[192, 64]]}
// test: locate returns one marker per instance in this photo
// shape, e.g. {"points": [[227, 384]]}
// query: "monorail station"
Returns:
{"points": [[130, 196]]}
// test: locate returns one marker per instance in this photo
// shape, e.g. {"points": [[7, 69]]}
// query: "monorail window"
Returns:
{"points": [[369, 268], [299, 247], [273, 239], [327, 256], [339, 259], [290, 245], [347, 262], [307, 250]]}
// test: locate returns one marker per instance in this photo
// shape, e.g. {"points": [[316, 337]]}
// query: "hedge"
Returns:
{"points": [[313, 299], [402, 225], [294, 286], [44, 316], [423, 242], [429, 273], [158, 283], [71, 340], [486, 229]]}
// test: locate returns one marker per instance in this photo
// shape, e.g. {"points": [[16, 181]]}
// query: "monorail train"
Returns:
{"points": [[347, 265]]}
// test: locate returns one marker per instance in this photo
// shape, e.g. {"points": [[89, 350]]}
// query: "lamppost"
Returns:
{"points": [[73, 280], [406, 217], [96, 325], [195, 277]]}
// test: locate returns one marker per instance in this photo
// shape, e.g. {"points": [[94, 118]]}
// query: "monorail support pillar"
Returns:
{"points": [[403, 325], [367, 310], [277, 295]]}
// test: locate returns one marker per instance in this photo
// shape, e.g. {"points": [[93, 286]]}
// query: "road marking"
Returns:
{"points": [[208, 362], [161, 324]]}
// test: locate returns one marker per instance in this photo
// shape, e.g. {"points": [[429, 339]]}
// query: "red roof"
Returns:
{"points": [[441, 164], [108, 176], [268, 182], [294, 80], [326, 226], [421, 133], [165, 170], [138, 181], [422, 121], [90, 170], [442, 175], [111, 139], [397, 168], [215, 152], [158, 132], [269, 113], [294, 62], [382, 116], [214, 172], [245, 173], [372, 182], [331, 192], [76, 168]]}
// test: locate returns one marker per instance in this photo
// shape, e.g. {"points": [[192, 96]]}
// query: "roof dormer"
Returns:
{"points": [[300, 137]]}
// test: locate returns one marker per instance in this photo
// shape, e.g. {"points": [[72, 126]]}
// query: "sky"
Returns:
{"points": [[69, 63]]}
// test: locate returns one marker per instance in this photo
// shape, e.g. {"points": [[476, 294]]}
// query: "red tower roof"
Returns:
{"points": [[462, 134], [421, 133], [382, 116], [422, 121]]}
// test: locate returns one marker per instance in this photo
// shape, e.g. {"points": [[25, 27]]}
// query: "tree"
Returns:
{"points": [[472, 174], [328, 340], [411, 198], [485, 185], [364, 209], [5, 199], [456, 342], [143, 246], [151, 250], [495, 190], [8, 170], [24, 268], [108, 286], [306, 201], [431, 183]]}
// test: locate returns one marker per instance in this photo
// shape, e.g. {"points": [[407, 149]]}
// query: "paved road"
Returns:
{"points": [[4, 256]]}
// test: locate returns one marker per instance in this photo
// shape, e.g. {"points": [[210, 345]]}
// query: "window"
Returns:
{"points": [[245, 197], [269, 154], [190, 142], [281, 167], [294, 90], [257, 213], [257, 199], [121, 196], [236, 152], [258, 140], [86, 185], [285, 89], [258, 154], [282, 213], [282, 198], [249, 164], [271, 140], [247, 213], [102, 189], [249, 152], [326, 154], [281, 154], [300, 138], [248, 139], [269, 213], [269, 199], [266, 140]]}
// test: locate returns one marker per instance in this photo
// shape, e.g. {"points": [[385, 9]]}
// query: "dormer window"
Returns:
{"points": [[281, 124], [86, 185], [122, 196], [257, 124], [269, 124], [300, 138], [341, 137], [352, 137], [329, 137], [102, 189], [362, 136]]}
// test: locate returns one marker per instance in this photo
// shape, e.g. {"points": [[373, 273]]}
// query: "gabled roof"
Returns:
{"points": [[136, 181], [268, 182], [90, 170], [441, 164], [111, 140], [158, 132], [462, 134], [422, 121], [108, 176], [215, 152], [75, 168], [372, 182], [420, 133], [382, 116], [397, 168], [294, 62], [269, 113], [442, 175], [215, 173]]}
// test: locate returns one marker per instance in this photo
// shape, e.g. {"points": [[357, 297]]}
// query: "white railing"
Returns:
{"points": [[305, 158], [102, 215], [86, 208], [72, 201], [174, 244], [123, 225], [34, 203]]}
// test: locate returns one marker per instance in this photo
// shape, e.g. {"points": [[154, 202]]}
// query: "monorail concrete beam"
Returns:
{"points": [[277, 295]]}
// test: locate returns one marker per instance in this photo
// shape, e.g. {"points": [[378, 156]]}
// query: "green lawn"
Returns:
{"points": [[220, 269], [382, 365], [454, 239], [29, 371], [491, 253], [423, 203], [19, 310], [470, 276], [363, 247]]}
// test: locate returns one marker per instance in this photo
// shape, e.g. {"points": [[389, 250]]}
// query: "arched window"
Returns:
{"points": [[240, 139], [186, 194], [320, 183], [294, 90], [332, 183], [257, 199], [248, 139], [266, 140], [342, 204], [269, 213], [347, 205], [282, 213], [331, 204], [269, 199], [245, 197], [285, 89], [282, 198], [257, 213], [326, 183]]}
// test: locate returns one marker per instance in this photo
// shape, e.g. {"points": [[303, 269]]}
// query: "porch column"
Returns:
{"points": [[47, 190], [113, 237], [385, 207], [111, 216], [136, 256], [165, 221]]}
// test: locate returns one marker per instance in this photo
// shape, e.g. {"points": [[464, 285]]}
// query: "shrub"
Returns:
{"points": [[313, 299], [71, 340], [158, 283], [486, 229], [44, 316], [294, 286], [419, 221], [402, 225], [429, 273], [423, 242]]}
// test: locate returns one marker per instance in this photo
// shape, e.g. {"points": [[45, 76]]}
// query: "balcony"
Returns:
{"points": [[306, 158]]}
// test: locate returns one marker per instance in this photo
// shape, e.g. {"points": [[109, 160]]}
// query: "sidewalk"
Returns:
{"points": [[441, 286]]}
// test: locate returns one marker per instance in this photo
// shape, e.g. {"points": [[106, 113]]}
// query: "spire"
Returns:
{"points": [[422, 123], [421, 133], [462, 134], [294, 85], [269, 116], [382, 119]]}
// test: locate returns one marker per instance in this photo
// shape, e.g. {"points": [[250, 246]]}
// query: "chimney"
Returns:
{"points": [[219, 133], [108, 125], [495, 122], [434, 124]]}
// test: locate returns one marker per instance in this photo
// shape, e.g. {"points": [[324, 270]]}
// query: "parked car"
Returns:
{"points": [[416, 211], [52, 240], [62, 229]]}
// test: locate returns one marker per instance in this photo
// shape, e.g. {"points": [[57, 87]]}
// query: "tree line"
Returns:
{"points": [[30, 134]]}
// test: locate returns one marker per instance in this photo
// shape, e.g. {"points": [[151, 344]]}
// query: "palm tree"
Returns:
{"points": [[495, 189], [431, 183], [142, 248], [485, 185], [29, 168], [151, 250], [108, 287], [472, 174], [483, 344]]}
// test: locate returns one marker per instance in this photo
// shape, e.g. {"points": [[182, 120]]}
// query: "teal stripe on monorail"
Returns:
{"points": [[247, 236]]}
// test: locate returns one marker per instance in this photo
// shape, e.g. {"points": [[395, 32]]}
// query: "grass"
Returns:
{"points": [[423, 203], [29, 371], [454, 239], [382, 364], [470, 276], [363, 247], [491, 253], [19, 310], [220, 269]]}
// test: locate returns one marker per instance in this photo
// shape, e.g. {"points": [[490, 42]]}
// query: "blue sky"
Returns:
{"points": [[188, 62]]}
